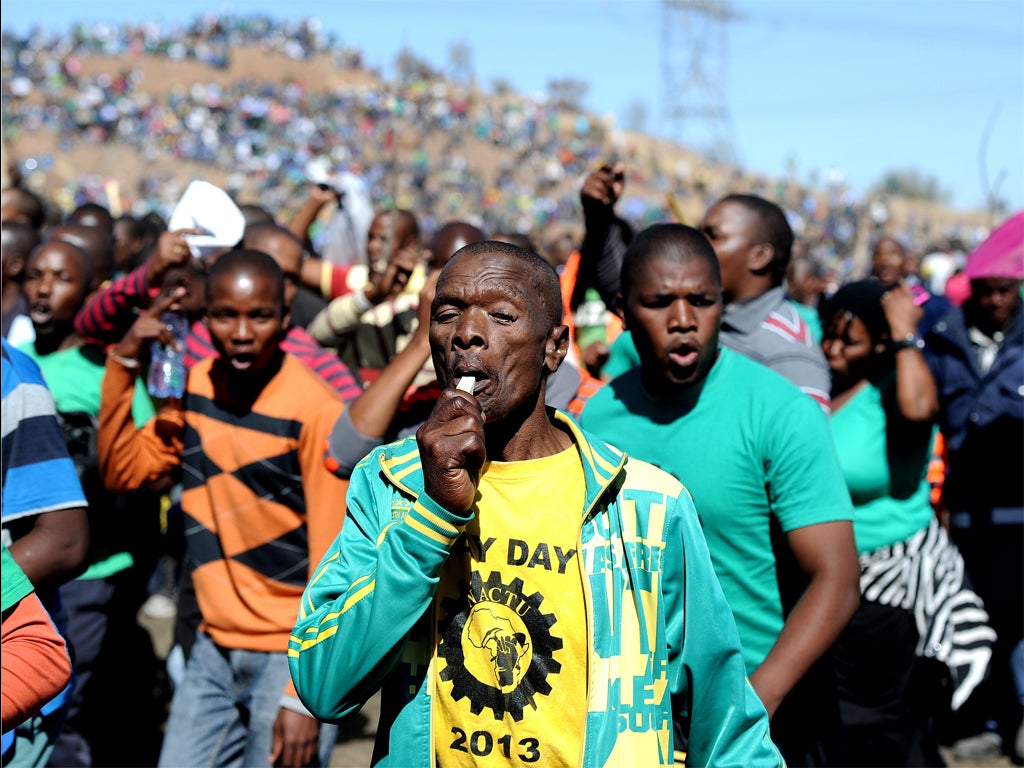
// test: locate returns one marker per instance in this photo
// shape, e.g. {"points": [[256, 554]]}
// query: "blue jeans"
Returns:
{"points": [[224, 711]]}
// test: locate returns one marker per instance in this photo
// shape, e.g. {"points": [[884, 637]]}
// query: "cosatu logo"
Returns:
{"points": [[498, 646]]}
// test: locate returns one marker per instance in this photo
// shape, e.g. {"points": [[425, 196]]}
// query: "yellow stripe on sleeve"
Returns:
{"points": [[429, 532], [321, 636]]}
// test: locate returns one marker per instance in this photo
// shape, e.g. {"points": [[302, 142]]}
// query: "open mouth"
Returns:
{"points": [[683, 356], [471, 381], [40, 313], [242, 362]]}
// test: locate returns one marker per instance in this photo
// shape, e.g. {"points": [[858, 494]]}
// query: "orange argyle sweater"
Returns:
{"points": [[260, 507]]}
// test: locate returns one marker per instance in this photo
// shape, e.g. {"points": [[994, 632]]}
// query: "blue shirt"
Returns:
{"points": [[37, 473]]}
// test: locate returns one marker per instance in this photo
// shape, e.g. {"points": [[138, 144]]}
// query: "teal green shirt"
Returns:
{"points": [[887, 478], [749, 446], [622, 356], [75, 378], [16, 585]]}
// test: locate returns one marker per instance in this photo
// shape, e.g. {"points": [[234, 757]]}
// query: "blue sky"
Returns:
{"points": [[825, 86]]}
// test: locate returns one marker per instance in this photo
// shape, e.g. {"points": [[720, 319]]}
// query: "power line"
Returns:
{"points": [[695, 56], [924, 31]]}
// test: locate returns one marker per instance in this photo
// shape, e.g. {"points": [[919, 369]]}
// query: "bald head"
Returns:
{"points": [[69, 252], [390, 232], [92, 215], [17, 239], [283, 247], [95, 241], [450, 238], [272, 239], [17, 204], [255, 214], [403, 222], [246, 262], [542, 283]]}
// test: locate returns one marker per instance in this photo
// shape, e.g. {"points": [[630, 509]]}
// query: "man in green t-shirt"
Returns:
{"points": [[757, 457]]}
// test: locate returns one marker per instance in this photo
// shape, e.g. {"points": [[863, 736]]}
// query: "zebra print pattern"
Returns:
{"points": [[925, 575]]}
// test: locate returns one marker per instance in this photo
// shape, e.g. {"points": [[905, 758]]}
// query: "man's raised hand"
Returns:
{"points": [[452, 449], [149, 327]]}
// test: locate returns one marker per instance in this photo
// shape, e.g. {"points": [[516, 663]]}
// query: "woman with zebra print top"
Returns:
{"points": [[916, 609]]}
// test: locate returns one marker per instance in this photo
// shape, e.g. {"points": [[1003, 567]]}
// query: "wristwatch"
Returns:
{"points": [[910, 341]]}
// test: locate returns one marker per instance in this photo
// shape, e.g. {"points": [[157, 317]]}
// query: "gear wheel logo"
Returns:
{"points": [[498, 646]]}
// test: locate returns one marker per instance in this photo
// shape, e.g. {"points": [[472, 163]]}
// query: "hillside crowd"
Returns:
{"points": [[270, 131], [642, 493]]}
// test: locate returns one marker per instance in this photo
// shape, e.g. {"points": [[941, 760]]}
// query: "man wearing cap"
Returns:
{"points": [[976, 353]]}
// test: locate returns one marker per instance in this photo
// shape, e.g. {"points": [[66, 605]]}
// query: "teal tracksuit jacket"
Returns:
{"points": [[665, 672]]}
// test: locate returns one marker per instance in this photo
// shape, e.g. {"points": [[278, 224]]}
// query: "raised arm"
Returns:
{"points": [[916, 394], [111, 311], [322, 362], [365, 424], [106, 316], [605, 237], [380, 575], [375, 582], [338, 318], [320, 195], [327, 279], [342, 315], [129, 458]]}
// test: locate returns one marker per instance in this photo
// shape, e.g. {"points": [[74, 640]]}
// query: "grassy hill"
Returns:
{"points": [[659, 166]]}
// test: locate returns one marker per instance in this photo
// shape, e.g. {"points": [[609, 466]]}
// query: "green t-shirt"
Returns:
{"points": [[622, 356], [75, 379], [750, 447], [887, 477], [16, 585]]}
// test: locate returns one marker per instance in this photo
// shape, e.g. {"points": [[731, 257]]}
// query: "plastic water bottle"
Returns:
{"points": [[167, 362]]}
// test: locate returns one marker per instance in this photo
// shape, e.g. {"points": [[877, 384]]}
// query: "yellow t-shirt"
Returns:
{"points": [[510, 684]]}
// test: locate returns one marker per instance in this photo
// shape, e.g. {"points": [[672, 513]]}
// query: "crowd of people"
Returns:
{"points": [[269, 132], [664, 492], [409, 139]]}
